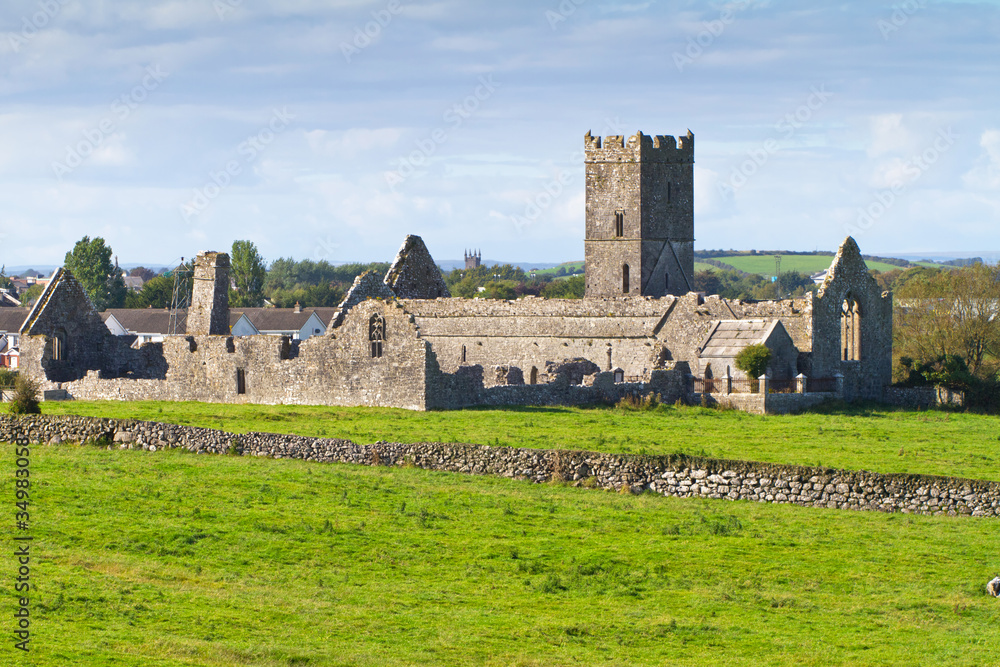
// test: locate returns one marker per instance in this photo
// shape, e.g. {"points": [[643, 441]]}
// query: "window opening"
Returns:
{"points": [[625, 279], [850, 330], [619, 223], [376, 334], [241, 381]]}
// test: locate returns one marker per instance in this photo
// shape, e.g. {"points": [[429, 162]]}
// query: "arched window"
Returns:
{"points": [[850, 330], [376, 334], [620, 223], [625, 279], [534, 375], [708, 371]]}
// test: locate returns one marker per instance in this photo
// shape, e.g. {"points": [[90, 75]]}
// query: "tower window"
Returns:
{"points": [[666, 280], [241, 381], [619, 223], [376, 334], [625, 279], [668, 192]]}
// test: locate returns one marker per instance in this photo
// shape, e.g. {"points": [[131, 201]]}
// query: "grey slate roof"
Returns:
{"points": [[11, 319], [728, 337], [157, 320]]}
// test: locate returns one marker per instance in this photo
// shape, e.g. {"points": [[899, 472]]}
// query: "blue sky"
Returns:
{"points": [[330, 130]]}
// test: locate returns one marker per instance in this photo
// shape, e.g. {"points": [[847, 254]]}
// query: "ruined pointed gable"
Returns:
{"points": [[413, 274], [848, 264], [63, 304], [366, 286]]}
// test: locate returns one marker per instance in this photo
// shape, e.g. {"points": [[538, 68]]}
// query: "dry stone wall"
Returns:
{"points": [[682, 476]]}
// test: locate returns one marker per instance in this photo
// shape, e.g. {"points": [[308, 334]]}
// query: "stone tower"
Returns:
{"points": [[473, 259], [640, 215], [209, 312]]}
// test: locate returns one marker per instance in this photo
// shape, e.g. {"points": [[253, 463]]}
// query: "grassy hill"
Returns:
{"points": [[764, 264], [571, 268]]}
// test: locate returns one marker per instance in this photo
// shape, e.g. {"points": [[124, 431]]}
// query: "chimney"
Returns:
{"points": [[298, 307], [209, 312]]}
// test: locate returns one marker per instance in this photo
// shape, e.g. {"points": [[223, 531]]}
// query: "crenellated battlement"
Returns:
{"points": [[644, 147]]}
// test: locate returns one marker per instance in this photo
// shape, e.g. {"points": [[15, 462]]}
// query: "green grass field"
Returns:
{"points": [[876, 438], [571, 267], [702, 266], [173, 558], [764, 264]]}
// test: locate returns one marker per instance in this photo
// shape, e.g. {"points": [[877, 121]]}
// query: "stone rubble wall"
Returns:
{"points": [[922, 397], [677, 475]]}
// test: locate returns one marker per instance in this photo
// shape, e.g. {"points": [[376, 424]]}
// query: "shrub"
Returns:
{"points": [[7, 377], [753, 360], [637, 402], [25, 399]]}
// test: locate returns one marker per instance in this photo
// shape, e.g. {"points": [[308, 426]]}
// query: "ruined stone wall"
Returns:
{"points": [[324, 370], [923, 397], [209, 312], [465, 388], [641, 333], [678, 475], [849, 278]]}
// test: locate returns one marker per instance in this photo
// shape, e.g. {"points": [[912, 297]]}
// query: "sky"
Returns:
{"points": [[329, 130]]}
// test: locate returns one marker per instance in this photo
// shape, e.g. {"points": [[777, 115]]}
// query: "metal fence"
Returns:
{"points": [[752, 386]]}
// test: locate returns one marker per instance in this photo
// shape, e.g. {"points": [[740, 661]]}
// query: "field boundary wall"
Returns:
{"points": [[670, 475]]}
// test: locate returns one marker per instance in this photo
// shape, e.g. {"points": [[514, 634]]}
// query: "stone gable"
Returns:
{"points": [[413, 274]]}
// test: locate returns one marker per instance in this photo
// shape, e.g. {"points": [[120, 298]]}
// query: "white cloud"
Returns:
{"points": [[986, 174]]}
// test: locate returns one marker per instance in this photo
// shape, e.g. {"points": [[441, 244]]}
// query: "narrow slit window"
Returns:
{"points": [[58, 343], [241, 381], [625, 279], [620, 223]]}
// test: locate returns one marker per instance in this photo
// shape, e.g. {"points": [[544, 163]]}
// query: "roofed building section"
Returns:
{"points": [[727, 338], [413, 274]]}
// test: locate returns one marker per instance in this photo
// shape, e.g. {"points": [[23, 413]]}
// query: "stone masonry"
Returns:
{"points": [[677, 475], [400, 341]]}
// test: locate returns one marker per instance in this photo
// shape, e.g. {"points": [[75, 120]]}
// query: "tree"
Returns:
{"points": [[950, 313], [90, 262], [156, 293], [248, 273], [25, 399], [753, 360], [142, 272]]}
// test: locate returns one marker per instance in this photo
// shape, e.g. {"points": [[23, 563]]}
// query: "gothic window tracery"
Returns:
{"points": [[376, 334]]}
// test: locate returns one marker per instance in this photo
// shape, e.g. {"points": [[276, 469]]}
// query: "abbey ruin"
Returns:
{"points": [[401, 340]]}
